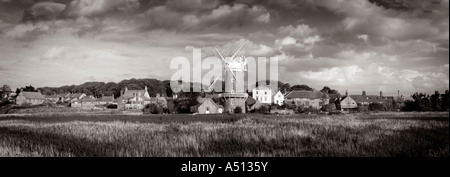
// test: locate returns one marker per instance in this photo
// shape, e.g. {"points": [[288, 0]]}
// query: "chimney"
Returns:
{"points": [[113, 95], [346, 92], [126, 89], [398, 93], [446, 91], [158, 95], [145, 88], [364, 93], [285, 90], [381, 93]]}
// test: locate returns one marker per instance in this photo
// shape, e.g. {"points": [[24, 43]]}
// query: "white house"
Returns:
{"points": [[278, 98], [262, 94]]}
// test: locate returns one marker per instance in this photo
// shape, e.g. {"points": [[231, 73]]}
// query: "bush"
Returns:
{"points": [[377, 107], [153, 108], [5, 102], [307, 110], [328, 107], [361, 108], [238, 110], [111, 106], [262, 110]]}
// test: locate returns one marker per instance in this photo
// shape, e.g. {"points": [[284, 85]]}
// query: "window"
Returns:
{"points": [[265, 93], [256, 92], [207, 108], [265, 98]]}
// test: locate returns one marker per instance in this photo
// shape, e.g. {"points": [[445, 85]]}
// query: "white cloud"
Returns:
{"points": [[53, 54]]}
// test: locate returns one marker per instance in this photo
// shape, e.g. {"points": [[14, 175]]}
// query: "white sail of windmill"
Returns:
{"points": [[234, 69]]}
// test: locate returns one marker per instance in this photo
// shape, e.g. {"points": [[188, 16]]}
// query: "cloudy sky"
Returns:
{"points": [[352, 45]]}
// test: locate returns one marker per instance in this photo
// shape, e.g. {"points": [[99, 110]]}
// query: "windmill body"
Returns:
{"points": [[234, 94]]}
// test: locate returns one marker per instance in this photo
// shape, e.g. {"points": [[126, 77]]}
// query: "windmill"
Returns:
{"points": [[234, 69]]}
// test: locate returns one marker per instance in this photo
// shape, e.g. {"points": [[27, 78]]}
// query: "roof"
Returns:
{"points": [[208, 100], [89, 100], [131, 93], [305, 94], [53, 96], [107, 98], [250, 101], [367, 98], [32, 95], [75, 95]]}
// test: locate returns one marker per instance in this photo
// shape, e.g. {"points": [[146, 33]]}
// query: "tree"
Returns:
{"points": [[302, 87], [328, 90]]}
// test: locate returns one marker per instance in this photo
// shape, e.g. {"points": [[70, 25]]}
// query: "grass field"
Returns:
{"points": [[250, 135]]}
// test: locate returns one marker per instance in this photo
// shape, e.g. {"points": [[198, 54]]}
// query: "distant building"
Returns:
{"points": [[305, 98], [278, 98], [33, 98], [73, 97], [365, 99], [262, 94], [208, 106], [347, 102], [133, 99], [54, 98]]}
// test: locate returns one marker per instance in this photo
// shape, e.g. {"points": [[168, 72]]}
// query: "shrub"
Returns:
{"points": [[377, 107], [238, 110], [152, 108], [262, 110], [111, 106], [361, 108], [328, 107]]}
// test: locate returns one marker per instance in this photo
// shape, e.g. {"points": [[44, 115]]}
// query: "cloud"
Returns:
{"points": [[47, 10], [192, 5], [300, 31], [27, 32], [88, 8], [53, 54], [222, 17]]}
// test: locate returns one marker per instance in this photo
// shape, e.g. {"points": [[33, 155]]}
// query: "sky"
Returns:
{"points": [[353, 45]]}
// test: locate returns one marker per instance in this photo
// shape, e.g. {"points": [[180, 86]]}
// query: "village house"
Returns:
{"points": [[54, 98], [306, 98], [262, 94], [365, 99], [133, 99], [33, 98], [278, 98], [347, 103], [73, 97], [207, 106]]}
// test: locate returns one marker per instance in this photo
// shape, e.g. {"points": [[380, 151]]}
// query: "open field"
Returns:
{"points": [[250, 135]]}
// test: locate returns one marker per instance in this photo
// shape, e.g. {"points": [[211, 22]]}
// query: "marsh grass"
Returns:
{"points": [[251, 135]]}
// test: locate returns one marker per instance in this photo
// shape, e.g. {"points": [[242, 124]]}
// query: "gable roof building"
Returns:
{"points": [[367, 99], [208, 106], [306, 98], [33, 98]]}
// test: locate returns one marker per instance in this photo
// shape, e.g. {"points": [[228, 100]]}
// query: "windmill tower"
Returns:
{"points": [[234, 94]]}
